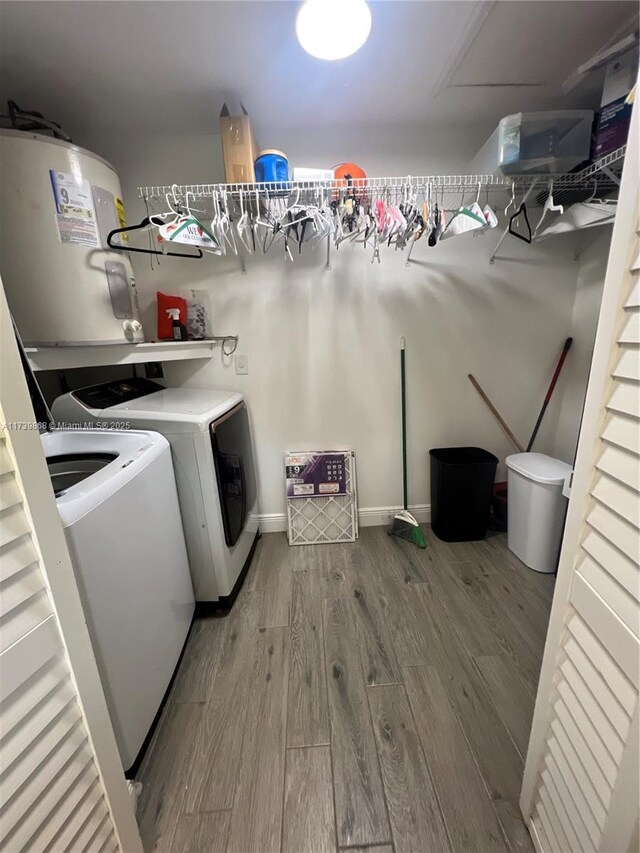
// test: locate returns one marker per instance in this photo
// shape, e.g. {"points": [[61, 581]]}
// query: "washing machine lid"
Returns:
{"points": [[539, 467], [178, 405], [134, 450]]}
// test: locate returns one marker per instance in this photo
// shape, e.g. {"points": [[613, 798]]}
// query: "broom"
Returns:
{"points": [[404, 524]]}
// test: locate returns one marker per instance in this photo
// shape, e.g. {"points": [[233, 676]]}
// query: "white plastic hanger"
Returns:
{"points": [[243, 226], [227, 226], [549, 207], [512, 201]]}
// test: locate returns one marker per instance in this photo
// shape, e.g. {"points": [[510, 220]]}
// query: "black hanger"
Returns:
{"points": [[521, 210], [433, 235], [145, 224]]}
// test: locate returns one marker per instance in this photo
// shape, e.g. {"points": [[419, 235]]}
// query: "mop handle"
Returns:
{"points": [[405, 495], [563, 355], [495, 413]]}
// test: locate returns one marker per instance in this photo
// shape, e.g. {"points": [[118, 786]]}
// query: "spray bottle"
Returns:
{"points": [[178, 329]]}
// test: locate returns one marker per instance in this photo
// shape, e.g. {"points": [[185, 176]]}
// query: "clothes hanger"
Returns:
{"points": [[522, 210], [594, 212], [512, 200], [215, 222], [242, 226], [173, 203], [188, 229], [227, 227], [435, 219], [549, 207], [595, 189], [602, 201], [478, 220], [146, 222]]}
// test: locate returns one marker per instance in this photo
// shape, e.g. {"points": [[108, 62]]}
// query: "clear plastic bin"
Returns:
{"points": [[544, 142]]}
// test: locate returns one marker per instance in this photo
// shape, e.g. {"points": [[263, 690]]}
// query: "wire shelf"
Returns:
{"points": [[605, 172]]}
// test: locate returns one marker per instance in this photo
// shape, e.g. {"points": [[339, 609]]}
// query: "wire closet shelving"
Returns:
{"points": [[599, 180], [606, 172]]}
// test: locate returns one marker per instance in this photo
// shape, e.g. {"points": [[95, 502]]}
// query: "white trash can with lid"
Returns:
{"points": [[536, 508]]}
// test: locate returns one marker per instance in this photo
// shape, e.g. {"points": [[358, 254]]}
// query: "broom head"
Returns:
{"points": [[406, 527]]}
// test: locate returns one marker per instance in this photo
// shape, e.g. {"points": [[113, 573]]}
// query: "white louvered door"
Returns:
{"points": [[581, 788], [57, 753], [50, 794]]}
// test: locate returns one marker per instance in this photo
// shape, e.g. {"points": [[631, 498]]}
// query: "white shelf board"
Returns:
{"points": [[60, 358]]}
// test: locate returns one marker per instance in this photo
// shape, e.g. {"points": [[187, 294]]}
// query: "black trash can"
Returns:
{"points": [[461, 491]]}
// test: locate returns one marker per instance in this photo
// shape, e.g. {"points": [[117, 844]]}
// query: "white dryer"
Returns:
{"points": [[213, 461]]}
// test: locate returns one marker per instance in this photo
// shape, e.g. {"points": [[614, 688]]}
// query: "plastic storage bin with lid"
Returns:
{"points": [[537, 508], [542, 142]]}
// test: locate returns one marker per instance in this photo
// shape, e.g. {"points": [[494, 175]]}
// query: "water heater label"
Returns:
{"points": [[75, 213]]}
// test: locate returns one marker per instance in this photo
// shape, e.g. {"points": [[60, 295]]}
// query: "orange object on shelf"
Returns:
{"points": [[350, 170], [348, 173]]}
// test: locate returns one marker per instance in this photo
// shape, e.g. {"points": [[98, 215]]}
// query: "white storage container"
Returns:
{"points": [[543, 142], [536, 508]]}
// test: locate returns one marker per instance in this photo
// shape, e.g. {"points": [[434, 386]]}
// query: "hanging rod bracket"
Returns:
{"points": [[611, 175]]}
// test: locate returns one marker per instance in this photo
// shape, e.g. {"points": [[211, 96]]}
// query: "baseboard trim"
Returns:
{"points": [[272, 522], [377, 516]]}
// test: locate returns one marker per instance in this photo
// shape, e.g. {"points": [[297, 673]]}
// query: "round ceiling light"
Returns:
{"points": [[333, 29]]}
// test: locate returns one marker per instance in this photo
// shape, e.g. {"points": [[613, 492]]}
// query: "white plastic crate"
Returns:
{"points": [[325, 519]]}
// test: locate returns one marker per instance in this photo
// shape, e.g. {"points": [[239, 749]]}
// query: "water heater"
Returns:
{"points": [[58, 203]]}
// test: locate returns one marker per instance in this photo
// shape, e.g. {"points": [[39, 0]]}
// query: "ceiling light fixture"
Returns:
{"points": [[333, 29]]}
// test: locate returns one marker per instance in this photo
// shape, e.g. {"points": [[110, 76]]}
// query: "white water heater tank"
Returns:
{"points": [[58, 203]]}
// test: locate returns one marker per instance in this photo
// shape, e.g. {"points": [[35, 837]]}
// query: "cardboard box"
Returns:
{"points": [[615, 115], [239, 149]]}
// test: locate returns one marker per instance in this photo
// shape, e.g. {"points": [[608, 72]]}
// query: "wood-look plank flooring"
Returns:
{"points": [[365, 696]]}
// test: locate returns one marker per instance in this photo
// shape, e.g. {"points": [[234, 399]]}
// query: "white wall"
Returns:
{"points": [[323, 345], [572, 385]]}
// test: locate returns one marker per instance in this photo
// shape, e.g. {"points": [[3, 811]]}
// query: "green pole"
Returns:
{"points": [[404, 426]]}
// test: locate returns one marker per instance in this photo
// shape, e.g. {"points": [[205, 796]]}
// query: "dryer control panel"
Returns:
{"points": [[111, 393]]}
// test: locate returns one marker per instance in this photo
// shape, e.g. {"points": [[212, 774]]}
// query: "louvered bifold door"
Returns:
{"points": [[581, 781], [51, 797]]}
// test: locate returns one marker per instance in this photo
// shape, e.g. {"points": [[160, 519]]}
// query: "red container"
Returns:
{"points": [[499, 507], [166, 301]]}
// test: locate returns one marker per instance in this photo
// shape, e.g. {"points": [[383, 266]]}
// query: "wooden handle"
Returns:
{"points": [[496, 413], [563, 355]]}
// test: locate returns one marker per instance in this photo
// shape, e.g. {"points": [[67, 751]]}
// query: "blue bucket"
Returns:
{"points": [[272, 166]]}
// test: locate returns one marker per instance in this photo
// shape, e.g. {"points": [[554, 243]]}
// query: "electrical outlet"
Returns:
{"points": [[242, 364]]}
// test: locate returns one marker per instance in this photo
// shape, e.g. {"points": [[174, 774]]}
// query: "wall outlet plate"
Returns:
{"points": [[242, 364]]}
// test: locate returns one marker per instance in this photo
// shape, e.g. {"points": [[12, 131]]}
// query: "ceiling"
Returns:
{"points": [[168, 66]]}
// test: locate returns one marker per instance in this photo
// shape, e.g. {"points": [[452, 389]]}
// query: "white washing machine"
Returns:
{"points": [[213, 460], [117, 498]]}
